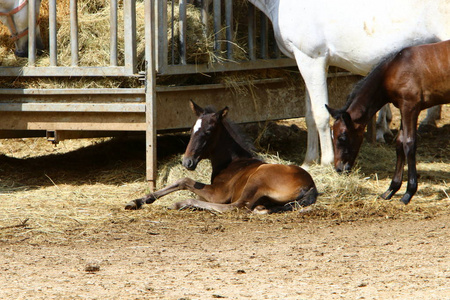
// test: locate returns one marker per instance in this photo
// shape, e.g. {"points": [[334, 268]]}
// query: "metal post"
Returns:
{"points": [[217, 26], [130, 36], [172, 30], [205, 4], [52, 33], [113, 32], [251, 32], [182, 25], [229, 29], [264, 36], [32, 33], [150, 96], [74, 32], [161, 35]]}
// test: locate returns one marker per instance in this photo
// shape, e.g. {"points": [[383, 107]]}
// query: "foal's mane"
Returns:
{"points": [[235, 132], [371, 83]]}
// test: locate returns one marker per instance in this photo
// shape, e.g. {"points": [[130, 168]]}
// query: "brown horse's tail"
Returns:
{"points": [[307, 197]]}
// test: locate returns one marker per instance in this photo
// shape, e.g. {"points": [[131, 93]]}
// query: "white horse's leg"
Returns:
{"points": [[314, 73], [433, 114], [383, 121], [312, 146]]}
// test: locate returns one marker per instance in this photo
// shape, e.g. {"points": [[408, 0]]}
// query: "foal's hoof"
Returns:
{"points": [[387, 195], [406, 198], [134, 205]]}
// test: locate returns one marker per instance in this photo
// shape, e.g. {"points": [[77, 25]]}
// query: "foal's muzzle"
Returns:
{"points": [[343, 167], [190, 163]]}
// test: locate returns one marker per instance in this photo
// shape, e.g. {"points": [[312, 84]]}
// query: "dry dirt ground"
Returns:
{"points": [[65, 235]]}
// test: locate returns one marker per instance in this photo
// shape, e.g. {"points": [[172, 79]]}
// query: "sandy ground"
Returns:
{"points": [[234, 259]]}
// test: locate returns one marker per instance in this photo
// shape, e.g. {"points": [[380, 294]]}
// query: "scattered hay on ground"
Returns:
{"points": [[51, 197]]}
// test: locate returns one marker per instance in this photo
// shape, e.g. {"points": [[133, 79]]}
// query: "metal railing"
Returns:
{"points": [[54, 69], [222, 22], [221, 31]]}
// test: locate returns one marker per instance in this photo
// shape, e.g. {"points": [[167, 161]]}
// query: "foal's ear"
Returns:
{"points": [[335, 113], [223, 113], [196, 109], [347, 120]]}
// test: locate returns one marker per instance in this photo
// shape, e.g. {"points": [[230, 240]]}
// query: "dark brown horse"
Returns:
{"points": [[414, 79], [239, 180]]}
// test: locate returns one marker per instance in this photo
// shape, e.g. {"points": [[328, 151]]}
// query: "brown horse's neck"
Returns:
{"points": [[365, 107], [227, 149], [369, 97]]}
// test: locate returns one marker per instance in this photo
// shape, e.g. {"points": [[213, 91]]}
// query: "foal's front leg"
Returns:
{"points": [[410, 146], [202, 190]]}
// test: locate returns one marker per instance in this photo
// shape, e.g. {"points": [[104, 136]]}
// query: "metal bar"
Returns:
{"points": [[65, 71], [74, 107], [264, 36], [217, 26], [229, 66], [161, 35], [172, 31], [98, 91], [32, 33], [215, 86], [150, 97], [53, 48], [251, 32], [72, 121], [130, 36], [204, 15], [229, 27], [182, 26], [74, 31], [113, 33]]}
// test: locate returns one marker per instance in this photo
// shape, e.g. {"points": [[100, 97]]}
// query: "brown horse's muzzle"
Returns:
{"points": [[343, 167], [190, 163]]}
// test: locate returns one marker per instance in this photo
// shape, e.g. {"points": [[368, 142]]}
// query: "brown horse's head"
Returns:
{"points": [[204, 135], [347, 139]]}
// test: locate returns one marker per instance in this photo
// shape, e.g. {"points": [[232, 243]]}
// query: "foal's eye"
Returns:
{"points": [[342, 138]]}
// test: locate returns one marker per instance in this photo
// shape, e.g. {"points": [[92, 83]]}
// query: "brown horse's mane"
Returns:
{"points": [[371, 83], [235, 132]]}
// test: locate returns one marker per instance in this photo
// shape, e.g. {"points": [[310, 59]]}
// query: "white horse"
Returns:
{"points": [[14, 14], [351, 34]]}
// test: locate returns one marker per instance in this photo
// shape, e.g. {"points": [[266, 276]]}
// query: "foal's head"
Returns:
{"points": [[204, 135], [347, 139]]}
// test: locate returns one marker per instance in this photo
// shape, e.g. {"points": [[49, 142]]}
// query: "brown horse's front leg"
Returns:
{"points": [[199, 204], [396, 182], [410, 147], [198, 188]]}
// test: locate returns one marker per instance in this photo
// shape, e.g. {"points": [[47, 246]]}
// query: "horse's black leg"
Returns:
{"points": [[410, 147], [198, 188], [396, 182]]}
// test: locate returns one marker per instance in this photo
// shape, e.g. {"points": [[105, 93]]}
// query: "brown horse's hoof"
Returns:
{"points": [[406, 198], [181, 205], [133, 205], [387, 195]]}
